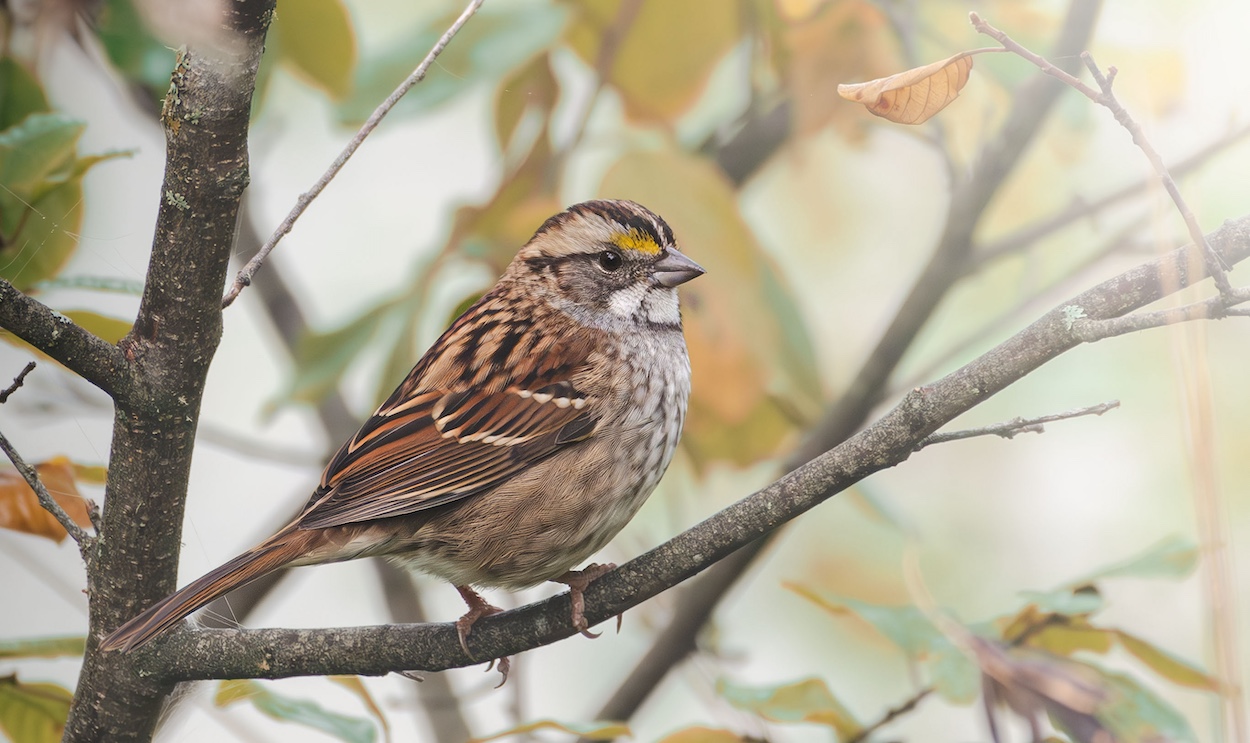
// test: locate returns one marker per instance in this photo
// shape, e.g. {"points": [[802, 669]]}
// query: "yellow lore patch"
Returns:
{"points": [[635, 240]]}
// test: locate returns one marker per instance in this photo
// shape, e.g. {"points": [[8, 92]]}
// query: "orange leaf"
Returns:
{"points": [[20, 509], [914, 96]]}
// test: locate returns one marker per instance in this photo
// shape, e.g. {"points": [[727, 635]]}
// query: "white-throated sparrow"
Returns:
{"points": [[521, 442]]}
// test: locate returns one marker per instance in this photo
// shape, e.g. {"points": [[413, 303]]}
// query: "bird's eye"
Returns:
{"points": [[610, 260]]}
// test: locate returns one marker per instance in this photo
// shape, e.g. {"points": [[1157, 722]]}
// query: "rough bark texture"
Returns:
{"points": [[167, 353]]}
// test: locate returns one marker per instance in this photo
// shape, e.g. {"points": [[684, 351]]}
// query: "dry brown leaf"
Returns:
{"points": [[20, 509], [914, 96]]}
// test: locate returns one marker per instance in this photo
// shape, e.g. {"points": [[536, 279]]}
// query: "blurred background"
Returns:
{"points": [[815, 220]]}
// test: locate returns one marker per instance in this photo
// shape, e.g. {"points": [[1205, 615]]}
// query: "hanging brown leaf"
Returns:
{"points": [[914, 96], [20, 509]]}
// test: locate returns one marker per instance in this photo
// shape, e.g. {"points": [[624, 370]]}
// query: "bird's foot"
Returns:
{"points": [[478, 608], [577, 580]]}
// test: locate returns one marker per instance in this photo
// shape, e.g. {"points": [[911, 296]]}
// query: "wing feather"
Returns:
{"points": [[435, 442]]}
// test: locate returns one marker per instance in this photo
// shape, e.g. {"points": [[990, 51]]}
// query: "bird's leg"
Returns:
{"points": [[478, 608], [577, 580]]}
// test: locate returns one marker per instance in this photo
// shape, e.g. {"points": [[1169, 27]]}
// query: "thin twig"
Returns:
{"points": [[31, 475], [891, 715], [1009, 429], [245, 275], [1207, 309], [1030, 234], [46, 500], [17, 382], [1106, 97]]}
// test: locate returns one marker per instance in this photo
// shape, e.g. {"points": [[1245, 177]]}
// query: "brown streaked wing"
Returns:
{"points": [[431, 447]]}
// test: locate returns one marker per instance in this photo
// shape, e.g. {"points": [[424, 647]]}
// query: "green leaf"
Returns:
{"points": [[315, 37], [905, 626], [41, 237], [40, 196], [952, 674], [298, 711], [132, 48], [590, 730], [808, 700], [1137, 714], [111, 329], [44, 647], [493, 43], [34, 150], [20, 93], [358, 688], [32, 713], [1167, 665], [1174, 557]]}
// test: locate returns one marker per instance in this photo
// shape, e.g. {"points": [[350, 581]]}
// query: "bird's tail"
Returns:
{"points": [[275, 552]]}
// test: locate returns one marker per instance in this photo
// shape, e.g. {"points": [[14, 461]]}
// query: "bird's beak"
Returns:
{"points": [[675, 269]]}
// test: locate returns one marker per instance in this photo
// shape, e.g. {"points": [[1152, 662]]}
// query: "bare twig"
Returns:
{"points": [[245, 275], [1208, 309], [84, 540], [31, 476], [891, 715], [17, 382], [1031, 233], [1009, 429], [1106, 97]]}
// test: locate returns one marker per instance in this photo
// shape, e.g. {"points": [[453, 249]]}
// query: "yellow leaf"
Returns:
{"points": [[32, 712], [847, 39], [647, 52], [590, 731], [316, 38], [1167, 665], [701, 734], [914, 96], [20, 509], [110, 329]]}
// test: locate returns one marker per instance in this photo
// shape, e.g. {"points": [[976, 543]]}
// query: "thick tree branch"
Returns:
{"points": [[170, 346], [86, 355], [200, 654]]}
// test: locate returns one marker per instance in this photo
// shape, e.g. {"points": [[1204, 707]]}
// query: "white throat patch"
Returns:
{"points": [[626, 302]]}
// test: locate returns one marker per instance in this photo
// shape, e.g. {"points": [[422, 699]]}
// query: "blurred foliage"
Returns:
{"points": [[32, 712], [661, 93], [19, 506], [302, 711], [586, 731]]}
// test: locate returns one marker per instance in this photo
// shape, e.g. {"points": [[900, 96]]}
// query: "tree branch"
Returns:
{"points": [[1010, 429], [1107, 99], [276, 653], [80, 351], [169, 349]]}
